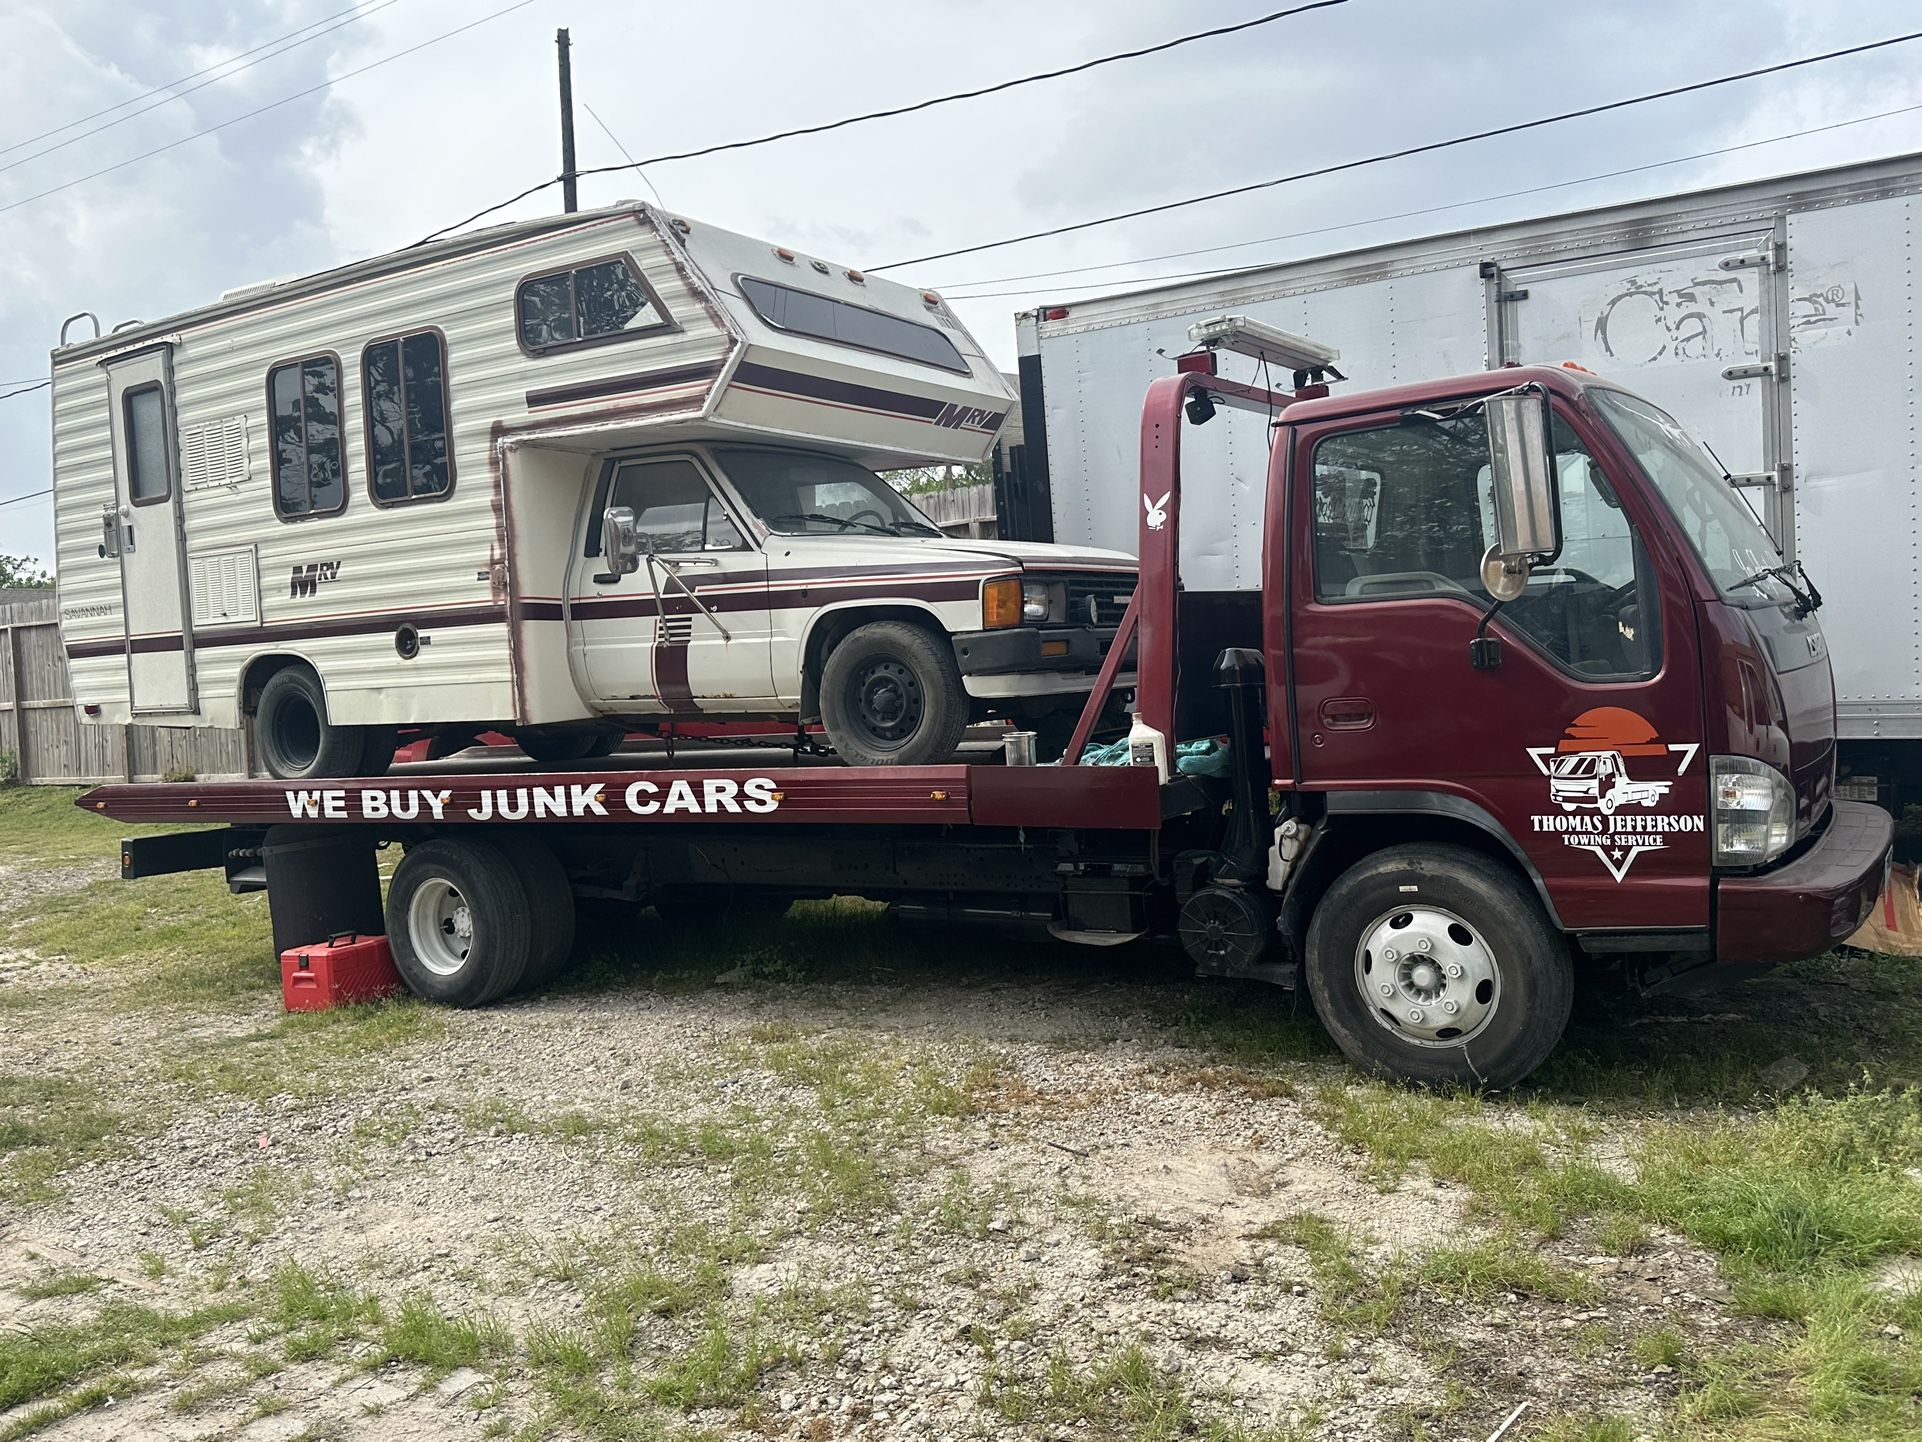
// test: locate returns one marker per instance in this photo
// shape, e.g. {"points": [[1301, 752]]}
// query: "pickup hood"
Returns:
{"points": [[859, 553]]}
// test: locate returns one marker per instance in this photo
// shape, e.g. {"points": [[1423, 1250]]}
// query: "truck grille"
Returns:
{"points": [[1098, 600]]}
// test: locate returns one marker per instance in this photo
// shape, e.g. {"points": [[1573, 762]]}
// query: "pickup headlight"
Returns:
{"points": [[1012, 602], [1752, 810]]}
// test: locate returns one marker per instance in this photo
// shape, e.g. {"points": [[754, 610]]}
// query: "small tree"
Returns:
{"points": [[23, 571]]}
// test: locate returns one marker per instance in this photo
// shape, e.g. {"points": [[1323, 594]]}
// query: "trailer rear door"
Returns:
{"points": [[1696, 327], [147, 532]]}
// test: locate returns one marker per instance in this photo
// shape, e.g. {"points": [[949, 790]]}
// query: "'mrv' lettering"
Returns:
{"points": [[306, 579], [954, 418]]}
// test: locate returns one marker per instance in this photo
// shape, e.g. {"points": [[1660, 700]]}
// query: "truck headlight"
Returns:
{"points": [[1042, 602], [1752, 808]]}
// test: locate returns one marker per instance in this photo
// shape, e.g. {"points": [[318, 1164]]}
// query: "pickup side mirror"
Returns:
{"points": [[1527, 497], [620, 541]]}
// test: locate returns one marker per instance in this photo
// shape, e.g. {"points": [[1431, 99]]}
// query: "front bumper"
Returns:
{"points": [[1805, 907], [1021, 649]]}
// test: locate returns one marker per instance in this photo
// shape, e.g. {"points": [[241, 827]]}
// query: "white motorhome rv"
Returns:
{"points": [[1778, 320], [559, 478]]}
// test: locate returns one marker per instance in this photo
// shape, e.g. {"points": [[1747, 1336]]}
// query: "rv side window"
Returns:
{"points": [[310, 471], [145, 415], [674, 507], [409, 453], [820, 317], [607, 300]]}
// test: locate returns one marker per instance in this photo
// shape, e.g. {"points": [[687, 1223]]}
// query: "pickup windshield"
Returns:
{"points": [[1732, 544], [800, 493]]}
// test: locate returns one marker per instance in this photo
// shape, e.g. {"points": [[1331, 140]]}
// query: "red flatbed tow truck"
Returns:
{"points": [[1464, 580]]}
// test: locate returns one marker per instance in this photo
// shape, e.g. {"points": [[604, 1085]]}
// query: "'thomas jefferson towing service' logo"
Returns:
{"points": [[1603, 807]]}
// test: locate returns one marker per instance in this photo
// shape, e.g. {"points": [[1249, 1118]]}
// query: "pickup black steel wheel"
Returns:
{"points": [[460, 921], [293, 738], [550, 901], [1435, 964], [891, 695]]}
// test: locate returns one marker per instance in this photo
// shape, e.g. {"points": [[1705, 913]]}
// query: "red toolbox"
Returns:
{"points": [[332, 973]]}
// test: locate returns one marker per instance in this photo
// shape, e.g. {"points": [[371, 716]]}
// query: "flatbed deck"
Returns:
{"points": [[732, 786]]}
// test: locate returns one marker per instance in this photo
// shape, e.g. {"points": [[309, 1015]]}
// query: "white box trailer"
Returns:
{"points": [[1777, 320], [389, 482]]}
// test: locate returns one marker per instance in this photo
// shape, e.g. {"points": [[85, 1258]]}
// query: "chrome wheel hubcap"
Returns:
{"points": [[441, 926], [1427, 976]]}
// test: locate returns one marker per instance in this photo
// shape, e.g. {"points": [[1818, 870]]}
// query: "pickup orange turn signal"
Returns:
{"points": [[1001, 603]]}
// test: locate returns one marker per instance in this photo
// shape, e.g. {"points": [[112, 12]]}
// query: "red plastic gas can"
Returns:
{"points": [[332, 973]]}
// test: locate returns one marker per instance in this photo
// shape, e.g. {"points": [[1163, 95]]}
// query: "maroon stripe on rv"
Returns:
{"points": [[847, 393], [628, 385], [671, 683], [369, 624]]}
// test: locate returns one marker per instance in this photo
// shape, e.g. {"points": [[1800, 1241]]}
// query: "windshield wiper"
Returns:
{"points": [[921, 528], [1806, 601], [846, 523]]}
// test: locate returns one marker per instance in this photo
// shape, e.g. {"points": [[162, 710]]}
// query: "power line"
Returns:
{"points": [[595, 115], [271, 105], [1406, 151], [40, 386], [131, 100], [29, 496], [183, 94], [994, 89], [929, 104], [954, 292]]}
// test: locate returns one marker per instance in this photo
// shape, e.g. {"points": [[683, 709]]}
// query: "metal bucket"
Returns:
{"points": [[1019, 748]]}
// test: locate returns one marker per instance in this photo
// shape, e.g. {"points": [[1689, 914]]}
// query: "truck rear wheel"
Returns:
{"points": [[548, 744], [293, 738], [459, 922], [1437, 965], [891, 695], [550, 900]]}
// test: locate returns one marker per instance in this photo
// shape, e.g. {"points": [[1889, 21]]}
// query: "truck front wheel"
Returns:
{"points": [[891, 695], [1437, 965]]}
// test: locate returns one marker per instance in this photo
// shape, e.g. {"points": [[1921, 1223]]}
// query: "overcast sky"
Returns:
{"points": [[379, 159]]}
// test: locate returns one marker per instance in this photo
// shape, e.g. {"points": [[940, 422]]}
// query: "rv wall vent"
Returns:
{"points": [[225, 587], [214, 453], [674, 630]]}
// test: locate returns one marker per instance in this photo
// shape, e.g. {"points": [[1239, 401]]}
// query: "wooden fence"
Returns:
{"points": [[52, 746]]}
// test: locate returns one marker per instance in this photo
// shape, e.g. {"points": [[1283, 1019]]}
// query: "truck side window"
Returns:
{"points": [[303, 399], [1406, 511], [673, 505], [602, 301], [409, 456]]}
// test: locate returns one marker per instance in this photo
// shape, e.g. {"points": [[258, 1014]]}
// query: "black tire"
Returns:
{"points": [[293, 738], [891, 695], [492, 958], [1513, 977], [550, 902], [548, 744]]}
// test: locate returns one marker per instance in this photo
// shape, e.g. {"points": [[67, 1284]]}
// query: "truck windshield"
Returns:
{"points": [[1731, 542], [801, 493]]}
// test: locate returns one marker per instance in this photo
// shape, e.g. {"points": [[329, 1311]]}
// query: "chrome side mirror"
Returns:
{"points": [[1527, 493], [620, 541]]}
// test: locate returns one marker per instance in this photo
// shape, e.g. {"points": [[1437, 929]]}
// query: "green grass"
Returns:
{"points": [[1349, 1297], [421, 1333], [40, 1361], [41, 824], [48, 1124], [1123, 1396], [61, 1284], [317, 1313], [303, 1054], [1483, 1270]]}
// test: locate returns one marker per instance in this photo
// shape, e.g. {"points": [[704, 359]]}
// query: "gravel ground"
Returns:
{"points": [[935, 1196]]}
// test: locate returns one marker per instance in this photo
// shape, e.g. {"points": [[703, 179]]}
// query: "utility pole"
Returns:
{"points": [[570, 198]]}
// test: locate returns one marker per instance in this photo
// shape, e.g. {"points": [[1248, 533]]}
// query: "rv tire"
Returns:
{"points": [[1436, 964], [460, 921], [891, 695], [293, 737]]}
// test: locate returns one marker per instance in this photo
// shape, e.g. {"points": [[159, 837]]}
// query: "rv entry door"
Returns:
{"points": [[145, 530], [1696, 327]]}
